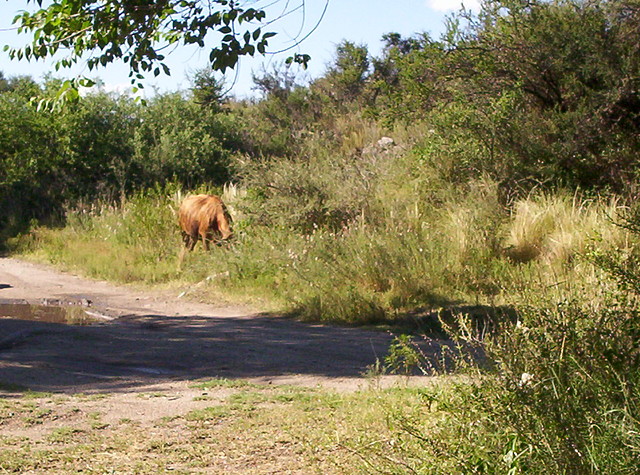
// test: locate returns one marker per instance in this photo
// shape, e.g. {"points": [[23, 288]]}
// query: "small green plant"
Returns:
{"points": [[212, 413], [404, 356], [65, 434], [222, 383], [36, 415]]}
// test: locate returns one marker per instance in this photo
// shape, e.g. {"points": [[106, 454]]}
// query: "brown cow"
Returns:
{"points": [[204, 217]]}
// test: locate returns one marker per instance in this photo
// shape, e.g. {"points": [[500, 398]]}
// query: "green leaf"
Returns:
{"points": [[86, 82]]}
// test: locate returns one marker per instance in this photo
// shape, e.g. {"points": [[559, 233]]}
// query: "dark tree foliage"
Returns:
{"points": [[31, 176], [574, 67], [278, 82], [549, 89], [273, 125]]}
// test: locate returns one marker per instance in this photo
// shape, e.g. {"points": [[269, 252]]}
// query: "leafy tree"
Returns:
{"points": [[176, 139], [385, 68], [278, 82], [207, 90], [347, 76], [548, 90], [24, 86], [274, 124], [98, 135], [571, 69], [407, 79], [138, 31]]}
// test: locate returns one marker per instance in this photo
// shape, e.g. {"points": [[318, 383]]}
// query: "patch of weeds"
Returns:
{"points": [[223, 383], [203, 397], [99, 425], [92, 397], [294, 394], [64, 434], [37, 395], [7, 440], [374, 371], [8, 410], [96, 421], [209, 413], [37, 415], [247, 400], [161, 446], [404, 356], [166, 420]]}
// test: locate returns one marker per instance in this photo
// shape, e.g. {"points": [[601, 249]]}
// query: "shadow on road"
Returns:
{"points": [[139, 350]]}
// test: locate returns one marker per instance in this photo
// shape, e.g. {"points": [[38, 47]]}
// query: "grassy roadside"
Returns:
{"points": [[460, 249], [238, 427]]}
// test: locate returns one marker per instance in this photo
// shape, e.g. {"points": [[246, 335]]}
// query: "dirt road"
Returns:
{"points": [[156, 337]]}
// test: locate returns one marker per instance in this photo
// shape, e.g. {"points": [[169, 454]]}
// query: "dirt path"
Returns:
{"points": [[158, 339]]}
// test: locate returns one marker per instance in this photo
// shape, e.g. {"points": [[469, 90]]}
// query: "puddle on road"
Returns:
{"points": [[69, 315]]}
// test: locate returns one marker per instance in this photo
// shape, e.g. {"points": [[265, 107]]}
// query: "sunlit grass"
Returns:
{"points": [[253, 429], [461, 247]]}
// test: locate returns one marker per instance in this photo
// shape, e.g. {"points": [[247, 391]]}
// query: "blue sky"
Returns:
{"points": [[359, 21]]}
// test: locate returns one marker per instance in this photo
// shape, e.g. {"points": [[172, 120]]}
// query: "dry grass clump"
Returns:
{"points": [[554, 228]]}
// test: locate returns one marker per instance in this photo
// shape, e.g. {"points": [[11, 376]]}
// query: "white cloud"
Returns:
{"points": [[453, 5], [121, 88]]}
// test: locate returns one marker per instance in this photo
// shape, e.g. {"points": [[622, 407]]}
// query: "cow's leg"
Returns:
{"points": [[187, 245], [183, 251], [205, 241], [189, 241], [203, 231]]}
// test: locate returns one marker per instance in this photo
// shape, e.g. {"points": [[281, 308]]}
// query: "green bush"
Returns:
{"points": [[563, 391], [32, 179]]}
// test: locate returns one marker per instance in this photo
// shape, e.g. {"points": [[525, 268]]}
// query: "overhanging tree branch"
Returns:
{"points": [[137, 31]]}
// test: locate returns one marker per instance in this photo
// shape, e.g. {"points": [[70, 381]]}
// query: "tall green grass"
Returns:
{"points": [[136, 241], [462, 246], [346, 231]]}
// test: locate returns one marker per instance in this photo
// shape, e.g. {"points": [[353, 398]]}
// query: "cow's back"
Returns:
{"points": [[188, 214]]}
